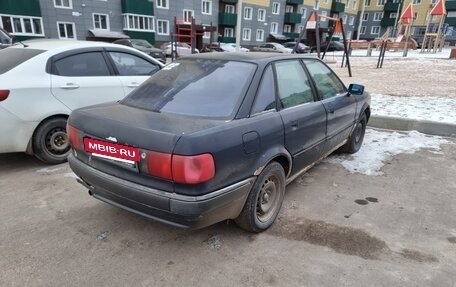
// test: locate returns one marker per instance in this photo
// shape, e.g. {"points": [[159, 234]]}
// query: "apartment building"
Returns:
{"points": [[214, 20]]}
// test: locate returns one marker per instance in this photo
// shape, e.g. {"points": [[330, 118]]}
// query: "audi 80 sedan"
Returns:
{"points": [[216, 136]]}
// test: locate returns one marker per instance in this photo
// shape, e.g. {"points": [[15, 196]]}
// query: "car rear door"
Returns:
{"points": [[82, 78], [132, 69], [304, 118], [339, 104]]}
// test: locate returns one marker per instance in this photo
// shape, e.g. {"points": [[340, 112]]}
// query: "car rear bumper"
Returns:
{"points": [[15, 132], [170, 208]]}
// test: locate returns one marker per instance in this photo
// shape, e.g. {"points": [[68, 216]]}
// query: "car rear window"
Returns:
{"points": [[12, 57], [195, 87]]}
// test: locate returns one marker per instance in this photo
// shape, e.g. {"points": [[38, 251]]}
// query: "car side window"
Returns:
{"points": [[131, 65], [82, 65], [265, 98], [293, 84], [326, 82]]}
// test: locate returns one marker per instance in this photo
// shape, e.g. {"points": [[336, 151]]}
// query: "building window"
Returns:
{"points": [[299, 29], [67, 4], [287, 28], [246, 34], [349, 35], [365, 16], [289, 9], [381, 2], [162, 4], [275, 8], [66, 30], [259, 35], [351, 20], [344, 19], [206, 34], [228, 32], [363, 30], [133, 22], [375, 30], [274, 27], [248, 13], [416, 1], [162, 27], [22, 25], [188, 16], [316, 5], [261, 15], [367, 2], [206, 7], [230, 9], [355, 3], [101, 21], [378, 16], [325, 1], [303, 12], [323, 13], [393, 15]]}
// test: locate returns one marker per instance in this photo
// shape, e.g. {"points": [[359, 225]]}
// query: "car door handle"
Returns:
{"points": [[294, 125], [69, 86], [133, 85]]}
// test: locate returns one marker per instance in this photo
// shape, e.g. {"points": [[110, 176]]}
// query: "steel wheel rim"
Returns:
{"points": [[268, 198], [57, 142], [358, 132]]}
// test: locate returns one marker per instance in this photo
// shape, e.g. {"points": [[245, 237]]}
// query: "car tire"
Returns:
{"points": [[264, 201], [357, 136], [50, 141]]}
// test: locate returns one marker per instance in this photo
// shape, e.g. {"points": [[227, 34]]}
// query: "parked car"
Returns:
{"points": [[183, 49], [333, 46], [272, 47], [229, 47], [301, 49], [5, 39], [42, 81], [216, 136], [145, 47]]}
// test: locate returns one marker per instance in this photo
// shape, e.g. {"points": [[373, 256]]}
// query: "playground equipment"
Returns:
{"points": [[434, 37], [313, 23]]}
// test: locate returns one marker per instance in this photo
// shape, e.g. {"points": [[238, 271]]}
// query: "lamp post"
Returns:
{"points": [[238, 26]]}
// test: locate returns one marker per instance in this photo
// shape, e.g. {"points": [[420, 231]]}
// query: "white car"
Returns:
{"points": [[182, 49], [231, 47], [42, 81], [272, 47]]}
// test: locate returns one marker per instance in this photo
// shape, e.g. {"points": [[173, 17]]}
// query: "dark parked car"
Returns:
{"points": [[333, 46], [216, 136], [5, 39], [145, 47], [301, 49]]}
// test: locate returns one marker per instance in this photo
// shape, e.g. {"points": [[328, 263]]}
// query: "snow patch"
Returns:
{"points": [[379, 146], [71, 175], [436, 109], [49, 170]]}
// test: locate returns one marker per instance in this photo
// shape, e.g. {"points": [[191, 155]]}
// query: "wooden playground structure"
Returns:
{"points": [[434, 37]]}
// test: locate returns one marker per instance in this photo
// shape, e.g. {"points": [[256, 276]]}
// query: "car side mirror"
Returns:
{"points": [[355, 89]]}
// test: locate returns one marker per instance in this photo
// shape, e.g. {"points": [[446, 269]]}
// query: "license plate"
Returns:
{"points": [[111, 150]]}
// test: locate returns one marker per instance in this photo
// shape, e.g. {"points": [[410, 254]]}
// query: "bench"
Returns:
{"points": [[360, 44]]}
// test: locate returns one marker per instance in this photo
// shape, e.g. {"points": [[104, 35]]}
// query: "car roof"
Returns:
{"points": [[50, 44], [254, 57]]}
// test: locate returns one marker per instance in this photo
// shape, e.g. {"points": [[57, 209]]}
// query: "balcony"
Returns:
{"points": [[291, 35], [293, 18], [144, 7], [295, 2], [391, 7], [450, 5], [387, 22], [227, 19], [338, 7], [451, 20], [229, 1], [223, 39]]}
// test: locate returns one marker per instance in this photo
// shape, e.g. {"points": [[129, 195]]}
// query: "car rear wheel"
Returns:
{"points": [[50, 141], [264, 201], [356, 138]]}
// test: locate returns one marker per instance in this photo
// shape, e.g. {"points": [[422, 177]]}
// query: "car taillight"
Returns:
{"points": [[185, 169], [74, 137], [4, 94]]}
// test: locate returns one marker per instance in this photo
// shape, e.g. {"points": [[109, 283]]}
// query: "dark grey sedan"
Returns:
{"points": [[216, 136], [145, 47]]}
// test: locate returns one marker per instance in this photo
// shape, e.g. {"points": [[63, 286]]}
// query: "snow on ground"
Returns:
{"points": [[444, 54], [436, 109], [48, 170], [70, 175], [380, 146]]}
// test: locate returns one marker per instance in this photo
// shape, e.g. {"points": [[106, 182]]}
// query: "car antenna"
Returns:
{"points": [[20, 42]]}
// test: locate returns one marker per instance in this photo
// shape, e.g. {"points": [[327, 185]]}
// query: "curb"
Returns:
{"points": [[403, 124]]}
